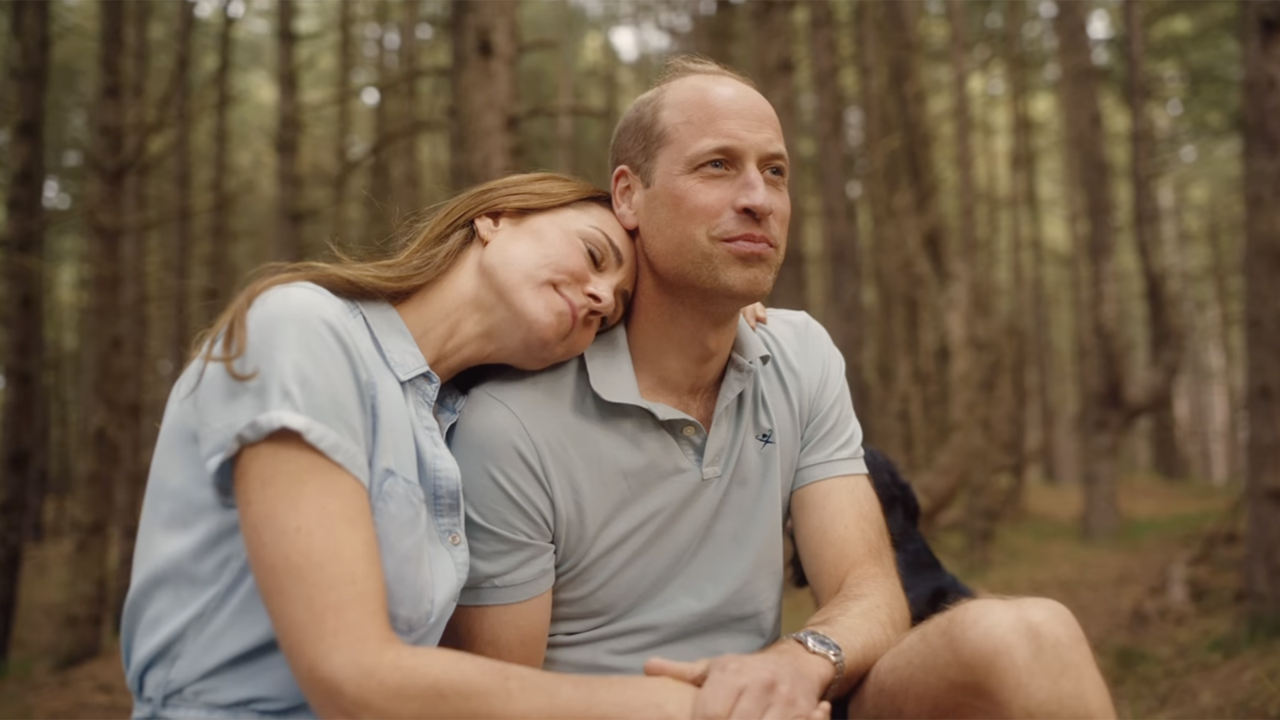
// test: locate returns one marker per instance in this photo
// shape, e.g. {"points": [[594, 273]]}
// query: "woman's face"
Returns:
{"points": [[565, 274]]}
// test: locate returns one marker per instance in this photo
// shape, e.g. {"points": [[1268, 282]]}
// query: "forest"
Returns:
{"points": [[1042, 232]]}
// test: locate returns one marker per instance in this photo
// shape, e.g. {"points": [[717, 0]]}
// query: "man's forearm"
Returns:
{"points": [[866, 617]]}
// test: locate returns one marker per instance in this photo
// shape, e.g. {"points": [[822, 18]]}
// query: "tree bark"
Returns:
{"points": [[844, 314], [23, 440], [180, 271], [1027, 234], [410, 174], [287, 245], [1166, 450], [884, 425], [1112, 398], [342, 84], [90, 499], [484, 113], [775, 47], [222, 277], [382, 212], [1262, 303], [131, 476]]}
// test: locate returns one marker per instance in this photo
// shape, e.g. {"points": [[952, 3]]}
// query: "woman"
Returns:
{"points": [[301, 546]]}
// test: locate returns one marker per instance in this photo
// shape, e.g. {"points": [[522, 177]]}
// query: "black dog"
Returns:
{"points": [[930, 589]]}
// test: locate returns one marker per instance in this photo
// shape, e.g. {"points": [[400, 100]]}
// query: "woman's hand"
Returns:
{"points": [[755, 313]]}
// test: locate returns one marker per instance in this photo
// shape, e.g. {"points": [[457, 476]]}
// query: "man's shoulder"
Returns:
{"points": [[524, 393], [794, 339]]}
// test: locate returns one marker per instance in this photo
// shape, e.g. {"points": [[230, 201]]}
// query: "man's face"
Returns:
{"points": [[713, 222]]}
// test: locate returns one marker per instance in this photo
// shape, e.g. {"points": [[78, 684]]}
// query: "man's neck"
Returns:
{"points": [[680, 351]]}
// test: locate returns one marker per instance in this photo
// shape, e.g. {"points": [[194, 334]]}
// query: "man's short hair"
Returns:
{"points": [[639, 134]]}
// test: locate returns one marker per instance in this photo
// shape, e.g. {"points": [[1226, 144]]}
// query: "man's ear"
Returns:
{"points": [[486, 225], [628, 195]]}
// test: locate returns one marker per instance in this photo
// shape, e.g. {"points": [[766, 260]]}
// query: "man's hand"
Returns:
{"points": [[774, 683]]}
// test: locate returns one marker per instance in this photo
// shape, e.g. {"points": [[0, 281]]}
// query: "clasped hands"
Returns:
{"points": [[781, 682]]}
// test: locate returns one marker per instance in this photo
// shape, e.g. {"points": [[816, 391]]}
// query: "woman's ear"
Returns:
{"points": [[486, 226], [627, 192]]}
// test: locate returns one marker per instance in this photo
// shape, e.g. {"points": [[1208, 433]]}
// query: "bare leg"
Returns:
{"points": [[989, 658]]}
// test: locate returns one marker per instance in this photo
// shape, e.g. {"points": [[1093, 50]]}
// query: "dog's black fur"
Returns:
{"points": [[930, 589]]}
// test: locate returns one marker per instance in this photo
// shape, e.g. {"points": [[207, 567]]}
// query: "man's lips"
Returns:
{"points": [[750, 242]]}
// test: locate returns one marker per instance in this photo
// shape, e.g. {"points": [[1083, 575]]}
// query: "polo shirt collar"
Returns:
{"points": [[613, 377], [403, 355]]}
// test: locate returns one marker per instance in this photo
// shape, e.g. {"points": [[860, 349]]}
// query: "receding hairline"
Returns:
{"points": [[652, 102]]}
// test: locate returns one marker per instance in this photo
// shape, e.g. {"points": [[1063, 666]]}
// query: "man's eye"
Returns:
{"points": [[717, 164], [778, 171]]}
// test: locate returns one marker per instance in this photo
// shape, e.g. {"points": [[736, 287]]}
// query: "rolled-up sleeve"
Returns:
{"points": [[306, 376], [510, 515]]}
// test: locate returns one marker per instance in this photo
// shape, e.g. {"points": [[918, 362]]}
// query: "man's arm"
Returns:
{"points": [[515, 633], [844, 545]]}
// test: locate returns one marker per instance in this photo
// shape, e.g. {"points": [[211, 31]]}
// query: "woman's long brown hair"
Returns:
{"points": [[430, 247]]}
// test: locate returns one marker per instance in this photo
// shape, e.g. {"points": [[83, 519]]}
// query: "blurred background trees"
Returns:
{"points": [[1044, 234]]}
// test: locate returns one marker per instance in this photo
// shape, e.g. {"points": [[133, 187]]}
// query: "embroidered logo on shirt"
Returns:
{"points": [[765, 438]]}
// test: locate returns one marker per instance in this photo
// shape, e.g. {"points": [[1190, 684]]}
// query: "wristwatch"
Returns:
{"points": [[819, 644]]}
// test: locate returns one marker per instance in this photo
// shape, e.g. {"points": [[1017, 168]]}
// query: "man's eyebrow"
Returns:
{"points": [[617, 252], [726, 149]]}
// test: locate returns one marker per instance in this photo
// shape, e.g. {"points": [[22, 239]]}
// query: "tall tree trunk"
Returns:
{"points": [[713, 33], [180, 270], [1262, 302], [90, 500], [342, 86], [882, 334], [222, 277], [1026, 224], [287, 243], [410, 175], [1112, 400], [382, 213], [845, 315], [1166, 450], [566, 71], [774, 41], [131, 475], [23, 440], [483, 131], [1103, 361]]}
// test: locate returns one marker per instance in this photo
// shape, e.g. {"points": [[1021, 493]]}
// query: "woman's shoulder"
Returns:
{"points": [[303, 316], [300, 300]]}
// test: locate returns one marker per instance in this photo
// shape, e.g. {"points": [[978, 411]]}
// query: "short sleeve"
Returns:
{"points": [[831, 440], [307, 376], [509, 508]]}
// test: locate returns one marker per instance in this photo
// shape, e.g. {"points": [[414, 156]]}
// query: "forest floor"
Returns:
{"points": [[1162, 604]]}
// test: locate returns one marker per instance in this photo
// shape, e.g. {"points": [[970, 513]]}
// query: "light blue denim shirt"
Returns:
{"points": [[349, 378]]}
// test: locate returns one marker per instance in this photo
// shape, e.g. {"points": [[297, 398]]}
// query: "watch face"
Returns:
{"points": [[821, 642]]}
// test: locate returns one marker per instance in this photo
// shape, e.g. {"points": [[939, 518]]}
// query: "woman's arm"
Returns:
{"points": [[309, 533]]}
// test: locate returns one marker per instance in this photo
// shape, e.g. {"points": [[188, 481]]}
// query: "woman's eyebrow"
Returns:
{"points": [[617, 252]]}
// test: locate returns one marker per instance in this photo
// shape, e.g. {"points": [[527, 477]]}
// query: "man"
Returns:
{"points": [[625, 510]]}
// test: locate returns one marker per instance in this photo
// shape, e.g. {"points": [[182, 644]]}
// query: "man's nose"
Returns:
{"points": [[755, 197]]}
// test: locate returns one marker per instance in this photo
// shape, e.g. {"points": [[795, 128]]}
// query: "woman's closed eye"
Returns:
{"points": [[596, 255]]}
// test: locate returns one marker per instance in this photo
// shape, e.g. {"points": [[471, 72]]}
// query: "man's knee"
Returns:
{"points": [[1005, 639]]}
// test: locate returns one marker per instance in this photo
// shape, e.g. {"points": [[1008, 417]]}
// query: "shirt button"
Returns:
{"points": [[689, 430], [455, 539]]}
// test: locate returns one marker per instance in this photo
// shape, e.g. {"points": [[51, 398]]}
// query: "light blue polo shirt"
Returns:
{"points": [[655, 536], [349, 378]]}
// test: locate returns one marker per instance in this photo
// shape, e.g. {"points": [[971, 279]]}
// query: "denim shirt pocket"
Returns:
{"points": [[405, 536]]}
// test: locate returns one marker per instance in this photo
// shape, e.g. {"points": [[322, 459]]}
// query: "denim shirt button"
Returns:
{"points": [[455, 539]]}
